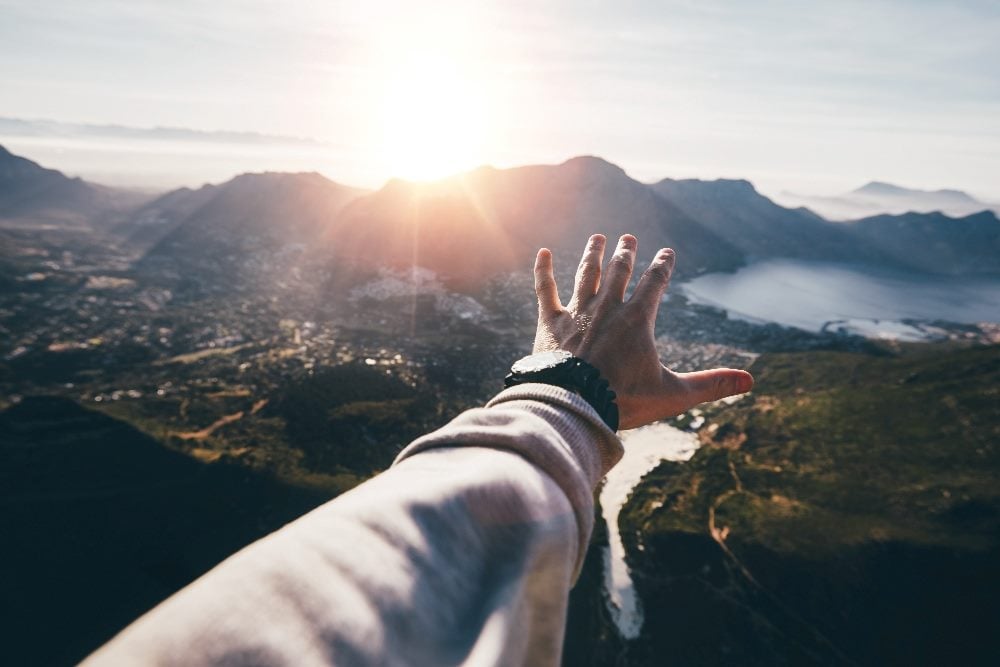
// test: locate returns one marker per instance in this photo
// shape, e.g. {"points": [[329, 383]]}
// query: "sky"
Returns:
{"points": [[812, 97]]}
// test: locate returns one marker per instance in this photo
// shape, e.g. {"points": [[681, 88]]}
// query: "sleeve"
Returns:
{"points": [[462, 553]]}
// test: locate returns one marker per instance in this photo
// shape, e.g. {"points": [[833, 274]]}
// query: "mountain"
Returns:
{"points": [[878, 197], [759, 228], [891, 196], [241, 230], [146, 226], [923, 242], [935, 242], [262, 229], [491, 220], [31, 194]]}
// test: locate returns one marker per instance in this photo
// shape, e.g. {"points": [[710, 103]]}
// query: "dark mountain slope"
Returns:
{"points": [[146, 226], [934, 242], [246, 232], [30, 193], [100, 523], [734, 210]]}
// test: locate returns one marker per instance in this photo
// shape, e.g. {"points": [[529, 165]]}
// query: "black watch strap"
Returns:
{"points": [[579, 376]]}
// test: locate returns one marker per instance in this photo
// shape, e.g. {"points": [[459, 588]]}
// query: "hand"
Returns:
{"points": [[615, 335]]}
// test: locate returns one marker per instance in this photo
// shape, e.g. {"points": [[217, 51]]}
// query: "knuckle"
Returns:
{"points": [[621, 261], [658, 272], [544, 284]]}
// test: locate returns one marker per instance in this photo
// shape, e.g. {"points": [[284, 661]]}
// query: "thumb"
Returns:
{"points": [[711, 385]]}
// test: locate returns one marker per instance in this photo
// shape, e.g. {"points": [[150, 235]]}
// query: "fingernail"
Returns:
{"points": [[627, 242], [744, 384], [667, 256]]}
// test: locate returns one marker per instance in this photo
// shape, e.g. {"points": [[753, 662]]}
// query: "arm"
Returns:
{"points": [[466, 547], [463, 551]]}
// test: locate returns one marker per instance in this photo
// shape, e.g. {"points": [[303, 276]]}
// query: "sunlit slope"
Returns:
{"points": [[491, 220], [847, 510]]}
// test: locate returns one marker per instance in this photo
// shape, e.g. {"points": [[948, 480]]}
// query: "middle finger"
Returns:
{"points": [[620, 269], [588, 275]]}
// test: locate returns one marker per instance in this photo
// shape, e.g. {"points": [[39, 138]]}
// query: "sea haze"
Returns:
{"points": [[814, 295]]}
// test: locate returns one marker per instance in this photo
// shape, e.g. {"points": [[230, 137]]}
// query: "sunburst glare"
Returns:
{"points": [[433, 117]]}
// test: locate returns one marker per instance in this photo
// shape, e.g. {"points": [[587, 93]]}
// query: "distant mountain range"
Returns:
{"points": [[877, 198], [19, 127], [488, 221]]}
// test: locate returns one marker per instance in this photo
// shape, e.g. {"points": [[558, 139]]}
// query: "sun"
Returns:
{"points": [[433, 117]]}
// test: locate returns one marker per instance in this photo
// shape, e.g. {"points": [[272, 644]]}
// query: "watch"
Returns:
{"points": [[562, 369]]}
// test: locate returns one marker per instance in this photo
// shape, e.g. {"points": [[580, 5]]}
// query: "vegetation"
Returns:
{"points": [[353, 416], [847, 511]]}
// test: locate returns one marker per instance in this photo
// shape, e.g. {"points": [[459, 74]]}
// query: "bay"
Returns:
{"points": [[876, 302]]}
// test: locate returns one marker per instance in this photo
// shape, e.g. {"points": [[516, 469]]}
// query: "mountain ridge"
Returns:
{"points": [[33, 194], [490, 220], [484, 222], [880, 197], [935, 241]]}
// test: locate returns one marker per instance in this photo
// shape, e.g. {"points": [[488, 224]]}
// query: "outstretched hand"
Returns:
{"points": [[616, 335]]}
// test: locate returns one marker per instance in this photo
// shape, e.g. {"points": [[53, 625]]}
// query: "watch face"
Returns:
{"points": [[540, 361]]}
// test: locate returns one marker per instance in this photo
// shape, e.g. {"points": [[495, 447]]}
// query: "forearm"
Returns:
{"points": [[465, 548]]}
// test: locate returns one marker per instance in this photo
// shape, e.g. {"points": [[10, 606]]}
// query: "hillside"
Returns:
{"points": [[845, 512], [735, 211], [935, 242], [33, 195], [144, 227], [246, 233]]}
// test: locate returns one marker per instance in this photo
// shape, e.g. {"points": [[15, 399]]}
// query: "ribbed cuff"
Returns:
{"points": [[594, 437]]}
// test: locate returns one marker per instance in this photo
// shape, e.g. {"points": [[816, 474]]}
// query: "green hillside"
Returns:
{"points": [[847, 511]]}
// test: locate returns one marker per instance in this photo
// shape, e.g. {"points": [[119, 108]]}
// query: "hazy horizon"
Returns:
{"points": [[119, 156], [817, 100]]}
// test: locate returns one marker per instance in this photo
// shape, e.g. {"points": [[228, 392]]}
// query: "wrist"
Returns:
{"points": [[563, 369]]}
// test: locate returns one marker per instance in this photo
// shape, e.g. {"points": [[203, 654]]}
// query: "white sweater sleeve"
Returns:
{"points": [[462, 553]]}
